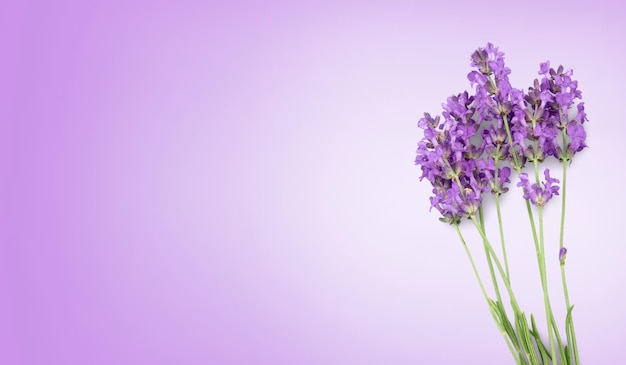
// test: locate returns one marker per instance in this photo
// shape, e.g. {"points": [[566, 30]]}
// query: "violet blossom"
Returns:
{"points": [[537, 195], [564, 97]]}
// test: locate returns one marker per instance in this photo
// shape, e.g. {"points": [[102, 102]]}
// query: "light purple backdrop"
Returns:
{"points": [[193, 183]]}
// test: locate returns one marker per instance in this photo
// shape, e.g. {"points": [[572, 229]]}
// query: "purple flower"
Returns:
{"points": [[503, 177], [546, 136], [515, 127], [487, 59], [476, 77], [560, 95], [447, 200], [447, 157], [428, 122], [581, 116], [565, 93], [469, 202], [497, 100], [544, 68], [495, 143], [495, 184], [550, 183], [525, 184], [537, 195], [577, 136], [479, 59]]}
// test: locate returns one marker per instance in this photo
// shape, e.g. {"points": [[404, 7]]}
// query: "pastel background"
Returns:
{"points": [[194, 182]]}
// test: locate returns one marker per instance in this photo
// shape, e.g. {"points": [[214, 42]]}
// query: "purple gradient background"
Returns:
{"points": [[194, 183]]}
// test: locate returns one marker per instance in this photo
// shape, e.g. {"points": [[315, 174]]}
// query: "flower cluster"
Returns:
{"points": [[464, 154], [537, 195], [452, 162], [471, 149], [561, 94]]}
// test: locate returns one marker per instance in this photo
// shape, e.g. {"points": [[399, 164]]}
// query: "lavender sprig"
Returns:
{"points": [[466, 153]]}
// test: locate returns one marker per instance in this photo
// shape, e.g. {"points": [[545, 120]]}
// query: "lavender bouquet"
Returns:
{"points": [[482, 139]]}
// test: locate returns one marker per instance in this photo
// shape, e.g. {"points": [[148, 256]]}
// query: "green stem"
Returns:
{"points": [[506, 261], [507, 284], [498, 265], [544, 284], [564, 285], [539, 254], [563, 196], [491, 271], [494, 280], [558, 341], [533, 229], [541, 261], [516, 164], [482, 289], [574, 345], [469, 255]]}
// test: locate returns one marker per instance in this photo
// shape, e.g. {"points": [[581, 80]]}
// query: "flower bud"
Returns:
{"points": [[562, 255]]}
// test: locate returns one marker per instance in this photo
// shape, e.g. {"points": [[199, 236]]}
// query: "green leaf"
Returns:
{"points": [[558, 339], [502, 322], [545, 354], [568, 332], [495, 313], [506, 325], [524, 333]]}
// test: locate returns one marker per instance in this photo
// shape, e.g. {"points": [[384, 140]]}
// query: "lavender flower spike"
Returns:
{"points": [[537, 195]]}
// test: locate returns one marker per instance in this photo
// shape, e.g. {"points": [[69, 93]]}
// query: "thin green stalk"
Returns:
{"points": [[574, 342], [573, 345], [541, 261], [498, 265], [496, 287], [544, 284], [536, 165], [469, 255], [491, 271], [482, 289], [507, 284], [501, 230], [506, 261], [562, 231], [516, 163], [539, 252], [534, 230], [558, 342]]}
